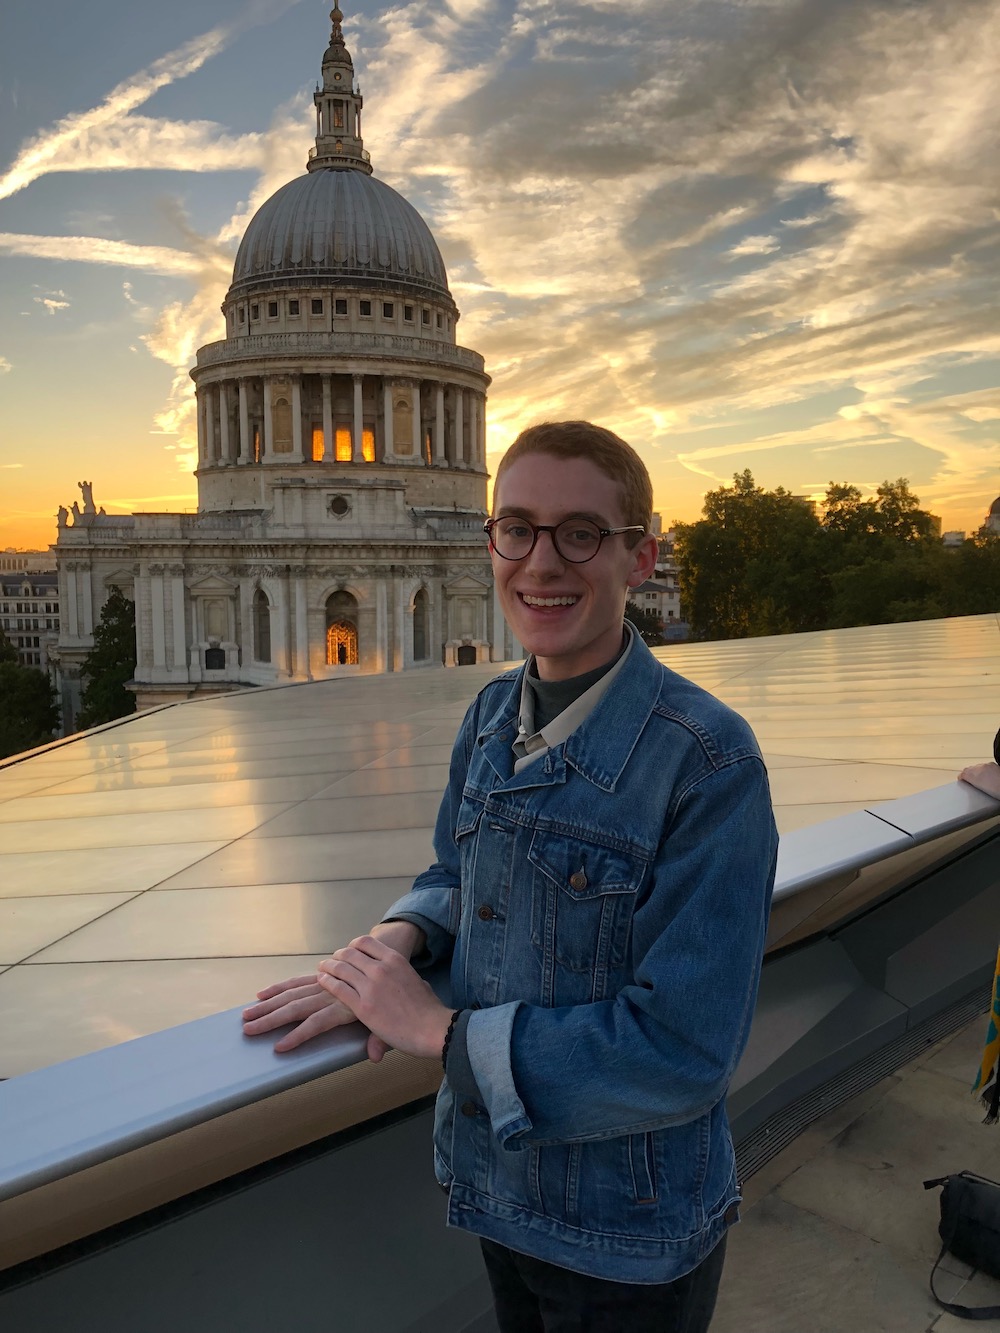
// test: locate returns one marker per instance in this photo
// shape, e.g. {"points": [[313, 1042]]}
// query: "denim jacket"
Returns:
{"points": [[604, 912]]}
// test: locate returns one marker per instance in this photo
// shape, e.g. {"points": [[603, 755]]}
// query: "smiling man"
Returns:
{"points": [[606, 855]]}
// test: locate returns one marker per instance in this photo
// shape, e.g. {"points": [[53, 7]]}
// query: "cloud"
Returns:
{"points": [[98, 250], [5, 366], [52, 301], [10, 465]]}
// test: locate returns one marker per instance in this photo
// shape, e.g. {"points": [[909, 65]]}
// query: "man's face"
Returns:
{"points": [[583, 631]]}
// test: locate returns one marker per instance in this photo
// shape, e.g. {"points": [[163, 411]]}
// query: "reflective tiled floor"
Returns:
{"points": [[167, 867]]}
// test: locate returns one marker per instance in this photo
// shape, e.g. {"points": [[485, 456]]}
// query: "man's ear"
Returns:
{"points": [[644, 555]]}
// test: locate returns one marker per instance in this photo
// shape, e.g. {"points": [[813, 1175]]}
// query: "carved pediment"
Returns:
{"points": [[213, 585], [466, 585]]}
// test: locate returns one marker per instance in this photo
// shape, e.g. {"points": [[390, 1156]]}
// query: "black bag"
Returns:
{"points": [[970, 1230]]}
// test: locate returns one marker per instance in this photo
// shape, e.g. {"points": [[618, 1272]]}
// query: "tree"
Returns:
{"points": [[649, 625], [753, 565], [29, 714], [110, 664]]}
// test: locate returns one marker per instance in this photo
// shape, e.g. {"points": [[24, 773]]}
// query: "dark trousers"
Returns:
{"points": [[531, 1296]]}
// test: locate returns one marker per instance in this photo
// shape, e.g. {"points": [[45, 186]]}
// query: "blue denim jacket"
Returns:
{"points": [[604, 911]]}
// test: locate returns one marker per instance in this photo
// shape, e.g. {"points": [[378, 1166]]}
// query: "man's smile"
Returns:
{"points": [[568, 599]]}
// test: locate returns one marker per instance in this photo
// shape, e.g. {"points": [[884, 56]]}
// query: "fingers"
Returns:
{"points": [[376, 1048], [324, 1020], [293, 983], [283, 998]]}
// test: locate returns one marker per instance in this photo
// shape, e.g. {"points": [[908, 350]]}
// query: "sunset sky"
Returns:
{"points": [[754, 233]]}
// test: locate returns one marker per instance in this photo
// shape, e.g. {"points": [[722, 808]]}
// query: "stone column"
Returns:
{"points": [[387, 440], [359, 418], [300, 574], [398, 626], [329, 449], [297, 456], [157, 608], [85, 585], [199, 398], [227, 446], [459, 441], [439, 441], [72, 608], [268, 424], [177, 611], [381, 625], [481, 428], [246, 442], [418, 441], [209, 424]]}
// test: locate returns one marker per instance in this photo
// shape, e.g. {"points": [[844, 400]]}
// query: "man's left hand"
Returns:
{"points": [[381, 988], [984, 776]]}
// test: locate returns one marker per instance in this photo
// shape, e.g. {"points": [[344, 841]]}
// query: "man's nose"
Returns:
{"points": [[544, 555]]}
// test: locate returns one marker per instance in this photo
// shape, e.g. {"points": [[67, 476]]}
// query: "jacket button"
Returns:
{"points": [[578, 880], [470, 1109], [486, 913]]}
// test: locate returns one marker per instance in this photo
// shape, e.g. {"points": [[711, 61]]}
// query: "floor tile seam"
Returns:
{"points": [[35, 962], [93, 921]]}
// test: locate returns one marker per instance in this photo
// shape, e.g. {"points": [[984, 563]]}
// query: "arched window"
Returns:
{"points": [[341, 630], [261, 626], [421, 626]]}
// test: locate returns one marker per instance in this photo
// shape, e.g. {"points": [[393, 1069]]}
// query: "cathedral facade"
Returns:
{"points": [[341, 458]]}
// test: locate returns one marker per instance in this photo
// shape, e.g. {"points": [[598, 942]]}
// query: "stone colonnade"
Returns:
{"points": [[326, 417]]}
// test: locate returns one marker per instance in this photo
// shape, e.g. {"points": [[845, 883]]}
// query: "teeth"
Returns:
{"points": [[549, 601]]}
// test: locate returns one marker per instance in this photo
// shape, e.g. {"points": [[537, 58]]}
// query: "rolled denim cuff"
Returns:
{"points": [[431, 910], [458, 1069], [487, 1043]]}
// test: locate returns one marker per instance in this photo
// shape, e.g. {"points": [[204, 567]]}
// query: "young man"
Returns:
{"points": [[605, 861]]}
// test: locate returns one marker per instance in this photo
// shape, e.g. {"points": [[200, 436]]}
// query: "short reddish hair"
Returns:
{"points": [[607, 451]]}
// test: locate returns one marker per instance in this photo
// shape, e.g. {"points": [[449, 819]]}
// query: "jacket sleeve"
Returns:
{"points": [[434, 903], [664, 1049]]}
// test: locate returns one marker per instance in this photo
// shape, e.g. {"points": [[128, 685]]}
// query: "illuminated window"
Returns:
{"points": [[368, 446], [428, 446], [341, 630], [256, 444], [317, 444], [342, 645], [343, 445], [338, 115]]}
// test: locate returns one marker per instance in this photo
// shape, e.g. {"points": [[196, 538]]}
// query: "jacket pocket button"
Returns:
{"points": [[578, 880], [486, 913], [470, 1109]]}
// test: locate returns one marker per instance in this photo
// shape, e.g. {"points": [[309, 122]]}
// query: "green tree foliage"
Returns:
{"points": [[763, 562], [29, 714], [110, 664], [648, 623]]}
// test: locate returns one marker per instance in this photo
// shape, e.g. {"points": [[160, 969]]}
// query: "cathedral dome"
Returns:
{"points": [[341, 227], [995, 507]]}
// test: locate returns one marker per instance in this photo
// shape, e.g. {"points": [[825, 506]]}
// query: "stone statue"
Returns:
{"points": [[63, 516], [87, 491]]}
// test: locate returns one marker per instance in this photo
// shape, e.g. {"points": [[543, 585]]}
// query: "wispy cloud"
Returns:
{"points": [[5, 366], [98, 250]]}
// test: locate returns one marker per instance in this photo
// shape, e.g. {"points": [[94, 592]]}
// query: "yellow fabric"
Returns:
{"points": [[991, 1051]]}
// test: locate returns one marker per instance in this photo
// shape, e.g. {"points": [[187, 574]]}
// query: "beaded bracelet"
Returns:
{"points": [[447, 1039]]}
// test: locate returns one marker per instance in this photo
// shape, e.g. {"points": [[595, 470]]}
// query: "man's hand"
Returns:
{"points": [[299, 1000], [984, 776], [303, 1001], [377, 984]]}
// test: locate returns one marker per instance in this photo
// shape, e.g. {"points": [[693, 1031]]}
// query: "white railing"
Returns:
{"points": [[394, 346]]}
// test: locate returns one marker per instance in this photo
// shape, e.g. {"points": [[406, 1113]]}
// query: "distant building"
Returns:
{"points": [[341, 458], [29, 615], [660, 598], [952, 538], [26, 562], [993, 517]]}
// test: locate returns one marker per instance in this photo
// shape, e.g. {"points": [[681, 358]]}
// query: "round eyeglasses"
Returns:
{"points": [[576, 540]]}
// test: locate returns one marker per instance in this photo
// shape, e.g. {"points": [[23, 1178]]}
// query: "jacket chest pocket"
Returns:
{"points": [[583, 896]]}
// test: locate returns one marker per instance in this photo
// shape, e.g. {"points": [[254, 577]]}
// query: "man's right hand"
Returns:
{"points": [[299, 1000], [303, 1001]]}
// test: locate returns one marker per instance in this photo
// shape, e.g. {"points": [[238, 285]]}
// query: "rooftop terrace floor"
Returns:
{"points": [[838, 1234]]}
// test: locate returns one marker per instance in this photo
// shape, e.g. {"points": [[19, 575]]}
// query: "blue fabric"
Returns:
{"points": [[607, 909]]}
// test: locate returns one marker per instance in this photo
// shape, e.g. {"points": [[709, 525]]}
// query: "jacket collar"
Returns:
{"points": [[600, 747]]}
